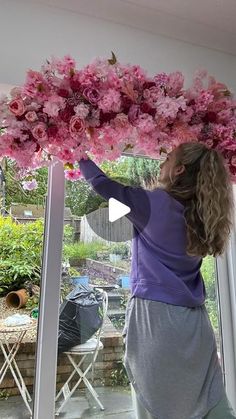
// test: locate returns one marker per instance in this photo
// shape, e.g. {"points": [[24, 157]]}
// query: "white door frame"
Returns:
{"points": [[46, 361], [226, 275], [46, 367]]}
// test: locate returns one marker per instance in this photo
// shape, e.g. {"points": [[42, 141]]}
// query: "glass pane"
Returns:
{"points": [[210, 279], [89, 260], [21, 238]]}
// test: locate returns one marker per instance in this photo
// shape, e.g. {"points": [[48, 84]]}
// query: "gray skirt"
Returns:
{"points": [[171, 359]]}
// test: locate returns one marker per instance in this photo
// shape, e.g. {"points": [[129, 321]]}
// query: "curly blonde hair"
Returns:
{"points": [[206, 190]]}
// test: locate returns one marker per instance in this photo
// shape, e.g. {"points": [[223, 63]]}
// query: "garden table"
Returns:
{"points": [[9, 347]]}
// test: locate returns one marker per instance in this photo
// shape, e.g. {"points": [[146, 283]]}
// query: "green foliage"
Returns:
{"points": [[119, 376], [32, 302], [14, 190], [208, 273], [119, 249], [81, 199], [142, 170], [82, 250], [20, 253], [68, 234], [74, 272]]}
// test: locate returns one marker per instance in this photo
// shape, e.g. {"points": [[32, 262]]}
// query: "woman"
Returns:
{"points": [[171, 355]]}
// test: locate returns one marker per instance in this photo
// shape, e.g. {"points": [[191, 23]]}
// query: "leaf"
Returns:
{"points": [[113, 59], [68, 166]]}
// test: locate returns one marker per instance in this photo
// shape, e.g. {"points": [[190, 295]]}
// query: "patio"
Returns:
{"points": [[117, 402]]}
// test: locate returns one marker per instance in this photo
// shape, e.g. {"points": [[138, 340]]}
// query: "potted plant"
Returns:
{"points": [[76, 277]]}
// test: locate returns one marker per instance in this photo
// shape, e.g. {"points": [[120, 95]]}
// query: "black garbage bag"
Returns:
{"points": [[80, 317]]}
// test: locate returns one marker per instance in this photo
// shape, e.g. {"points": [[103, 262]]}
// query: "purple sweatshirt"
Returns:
{"points": [[160, 268]]}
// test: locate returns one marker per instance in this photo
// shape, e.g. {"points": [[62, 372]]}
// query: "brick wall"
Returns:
{"points": [[107, 361]]}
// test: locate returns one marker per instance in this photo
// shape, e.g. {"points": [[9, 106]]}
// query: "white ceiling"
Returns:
{"points": [[209, 23]]}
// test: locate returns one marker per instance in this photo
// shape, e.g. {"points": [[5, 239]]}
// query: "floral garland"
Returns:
{"points": [[107, 108]]}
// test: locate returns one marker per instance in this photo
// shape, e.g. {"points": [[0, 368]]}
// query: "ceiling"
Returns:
{"points": [[209, 23]]}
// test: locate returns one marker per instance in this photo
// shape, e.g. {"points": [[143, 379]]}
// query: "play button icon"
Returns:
{"points": [[111, 222], [117, 209]]}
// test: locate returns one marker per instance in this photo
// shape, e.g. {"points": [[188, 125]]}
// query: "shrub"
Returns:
{"points": [[119, 249], [80, 250], [20, 253], [208, 273]]}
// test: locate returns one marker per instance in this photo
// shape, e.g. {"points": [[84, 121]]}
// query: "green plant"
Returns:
{"points": [[20, 253], [65, 290], [82, 250], [74, 272], [119, 249], [208, 273], [4, 394], [32, 302], [68, 234], [119, 376]]}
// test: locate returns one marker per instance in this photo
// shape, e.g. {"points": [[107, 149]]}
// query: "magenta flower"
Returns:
{"points": [[73, 174]]}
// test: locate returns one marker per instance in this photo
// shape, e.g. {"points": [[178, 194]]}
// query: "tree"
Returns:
{"points": [[80, 197], [14, 190]]}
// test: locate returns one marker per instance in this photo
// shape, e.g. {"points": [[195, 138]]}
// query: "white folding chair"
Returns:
{"points": [[88, 349]]}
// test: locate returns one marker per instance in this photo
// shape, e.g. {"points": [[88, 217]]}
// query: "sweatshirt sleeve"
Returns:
{"points": [[134, 197]]}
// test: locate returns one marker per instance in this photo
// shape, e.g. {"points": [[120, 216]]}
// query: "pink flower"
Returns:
{"points": [[111, 101], [30, 185], [203, 101], [53, 105], [120, 121], [73, 174], [31, 116], [92, 95], [161, 79], [133, 113], [145, 123], [81, 110], [64, 66], [152, 95], [175, 83], [17, 107], [39, 131], [77, 126], [35, 85], [169, 107]]}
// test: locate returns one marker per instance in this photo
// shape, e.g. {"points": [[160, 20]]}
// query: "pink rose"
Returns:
{"points": [[31, 116], [17, 107], [92, 95], [39, 131], [77, 125]]}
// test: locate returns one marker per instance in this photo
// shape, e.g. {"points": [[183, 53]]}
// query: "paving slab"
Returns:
{"points": [[116, 400]]}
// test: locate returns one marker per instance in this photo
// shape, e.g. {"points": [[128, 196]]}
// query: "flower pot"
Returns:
{"points": [[80, 280], [17, 299]]}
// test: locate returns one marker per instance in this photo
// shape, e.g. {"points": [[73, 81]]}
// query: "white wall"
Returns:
{"points": [[30, 33]]}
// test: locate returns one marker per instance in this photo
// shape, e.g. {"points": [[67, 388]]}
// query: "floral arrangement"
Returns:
{"points": [[106, 109]]}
